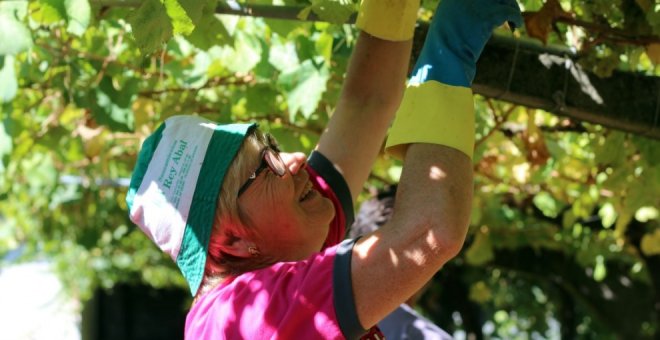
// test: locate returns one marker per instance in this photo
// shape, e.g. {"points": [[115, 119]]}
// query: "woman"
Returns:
{"points": [[256, 233]]}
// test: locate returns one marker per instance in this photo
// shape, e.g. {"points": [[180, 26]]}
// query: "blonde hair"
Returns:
{"points": [[230, 219]]}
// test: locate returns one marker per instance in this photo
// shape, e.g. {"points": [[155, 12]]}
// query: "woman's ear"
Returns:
{"points": [[238, 246]]}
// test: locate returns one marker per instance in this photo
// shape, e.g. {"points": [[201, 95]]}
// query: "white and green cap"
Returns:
{"points": [[175, 185]]}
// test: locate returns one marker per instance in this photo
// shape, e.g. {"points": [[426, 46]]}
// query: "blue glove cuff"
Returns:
{"points": [[457, 35], [437, 62]]}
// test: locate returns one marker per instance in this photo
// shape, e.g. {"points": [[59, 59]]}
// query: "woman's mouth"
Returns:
{"points": [[307, 192]]}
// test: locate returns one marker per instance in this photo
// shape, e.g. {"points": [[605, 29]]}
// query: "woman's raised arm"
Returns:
{"points": [[434, 133], [372, 90]]}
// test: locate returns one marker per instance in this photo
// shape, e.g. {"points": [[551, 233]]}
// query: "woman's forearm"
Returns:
{"points": [[427, 229], [371, 94], [434, 198]]}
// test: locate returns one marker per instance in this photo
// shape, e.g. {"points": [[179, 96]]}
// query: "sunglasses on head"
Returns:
{"points": [[270, 158]]}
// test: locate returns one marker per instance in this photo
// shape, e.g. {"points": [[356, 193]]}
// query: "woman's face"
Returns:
{"points": [[289, 216]]}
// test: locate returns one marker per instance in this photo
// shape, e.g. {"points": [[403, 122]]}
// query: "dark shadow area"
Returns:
{"points": [[135, 312]]}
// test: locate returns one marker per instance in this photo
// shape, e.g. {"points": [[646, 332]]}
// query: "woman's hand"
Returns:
{"points": [[457, 36]]}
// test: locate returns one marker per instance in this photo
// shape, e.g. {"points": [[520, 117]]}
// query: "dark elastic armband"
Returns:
{"points": [[344, 300], [327, 170]]}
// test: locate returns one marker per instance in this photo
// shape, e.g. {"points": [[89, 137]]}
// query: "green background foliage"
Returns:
{"points": [[564, 233]]}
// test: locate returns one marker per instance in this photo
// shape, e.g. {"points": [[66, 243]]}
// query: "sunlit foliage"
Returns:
{"points": [[564, 234]]}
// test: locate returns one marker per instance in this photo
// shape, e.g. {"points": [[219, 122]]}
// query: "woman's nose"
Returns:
{"points": [[294, 161]]}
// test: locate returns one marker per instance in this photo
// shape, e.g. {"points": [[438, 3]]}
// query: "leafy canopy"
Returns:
{"points": [[83, 82]]}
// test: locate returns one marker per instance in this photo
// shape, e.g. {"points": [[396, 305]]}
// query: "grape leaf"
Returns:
{"points": [[304, 87], [16, 9], [283, 56], [5, 147], [323, 46], [651, 243], [539, 24], [151, 26], [288, 140], [282, 27], [333, 11], [547, 204], [260, 98], [78, 14], [8, 84], [648, 148], [480, 251], [49, 11], [112, 107], [14, 36], [304, 13], [246, 53], [611, 152], [209, 32], [184, 14]]}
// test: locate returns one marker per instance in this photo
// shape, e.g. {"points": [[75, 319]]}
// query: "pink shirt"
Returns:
{"points": [[310, 299], [291, 300]]}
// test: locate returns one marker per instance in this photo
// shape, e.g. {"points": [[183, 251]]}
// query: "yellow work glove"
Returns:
{"points": [[392, 20], [433, 113]]}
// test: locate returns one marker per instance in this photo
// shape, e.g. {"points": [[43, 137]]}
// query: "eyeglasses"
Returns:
{"points": [[270, 158]]}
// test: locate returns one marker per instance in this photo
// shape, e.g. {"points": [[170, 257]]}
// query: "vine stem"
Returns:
{"points": [[617, 35], [293, 13], [499, 120], [224, 81]]}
